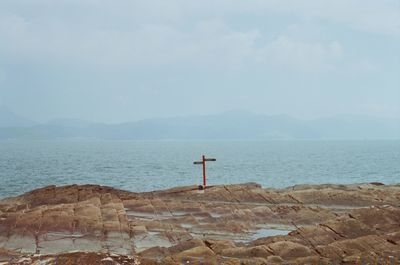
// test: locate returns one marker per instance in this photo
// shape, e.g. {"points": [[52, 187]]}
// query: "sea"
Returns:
{"points": [[153, 165]]}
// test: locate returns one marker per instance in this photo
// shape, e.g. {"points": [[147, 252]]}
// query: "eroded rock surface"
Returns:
{"points": [[232, 224]]}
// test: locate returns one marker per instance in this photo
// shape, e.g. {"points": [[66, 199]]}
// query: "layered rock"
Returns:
{"points": [[227, 224]]}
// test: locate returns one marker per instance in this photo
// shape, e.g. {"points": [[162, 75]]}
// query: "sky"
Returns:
{"points": [[126, 60]]}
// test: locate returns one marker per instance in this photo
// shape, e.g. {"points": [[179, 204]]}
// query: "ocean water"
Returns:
{"points": [[151, 165]]}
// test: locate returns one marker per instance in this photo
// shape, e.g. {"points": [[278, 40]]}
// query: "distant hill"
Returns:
{"points": [[73, 123], [10, 119], [230, 125]]}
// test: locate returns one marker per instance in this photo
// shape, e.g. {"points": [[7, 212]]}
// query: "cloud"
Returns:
{"points": [[148, 44], [379, 17], [12, 24], [288, 52], [166, 51], [210, 43], [153, 33]]}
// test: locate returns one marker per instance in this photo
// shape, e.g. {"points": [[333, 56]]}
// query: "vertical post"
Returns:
{"points": [[203, 163], [204, 172]]}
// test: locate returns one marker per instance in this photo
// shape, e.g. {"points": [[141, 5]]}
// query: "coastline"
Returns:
{"points": [[224, 224]]}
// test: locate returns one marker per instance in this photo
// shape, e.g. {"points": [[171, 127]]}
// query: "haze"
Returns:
{"points": [[116, 61]]}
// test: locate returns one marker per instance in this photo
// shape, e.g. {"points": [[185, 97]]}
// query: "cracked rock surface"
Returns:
{"points": [[226, 224]]}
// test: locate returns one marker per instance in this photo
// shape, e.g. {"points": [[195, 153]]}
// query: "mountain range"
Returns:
{"points": [[229, 125]]}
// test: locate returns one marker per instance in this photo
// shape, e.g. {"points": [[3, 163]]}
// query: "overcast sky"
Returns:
{"points": [[117, 61]]}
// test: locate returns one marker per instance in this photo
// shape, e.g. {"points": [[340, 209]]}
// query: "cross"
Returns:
{"points": [[203, 162]]}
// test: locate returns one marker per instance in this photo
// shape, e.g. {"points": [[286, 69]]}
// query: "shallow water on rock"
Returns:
{"points": [[267, 232]]}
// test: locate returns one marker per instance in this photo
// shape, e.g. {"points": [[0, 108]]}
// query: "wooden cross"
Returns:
{"points": [[203, 162]]}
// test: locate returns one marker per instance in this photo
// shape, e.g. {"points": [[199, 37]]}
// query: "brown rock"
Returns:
{"points": [[229, 224], [248, 252], [290, 250]]}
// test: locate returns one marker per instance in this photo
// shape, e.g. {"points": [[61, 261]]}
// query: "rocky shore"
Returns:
{"points": [[227, 224]]}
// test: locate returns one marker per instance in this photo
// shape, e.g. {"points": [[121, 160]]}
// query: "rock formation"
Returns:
{"points": [[227, 224]]}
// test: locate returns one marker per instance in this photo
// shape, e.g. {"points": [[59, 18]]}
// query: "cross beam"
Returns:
{"points": [[203, 162]]}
